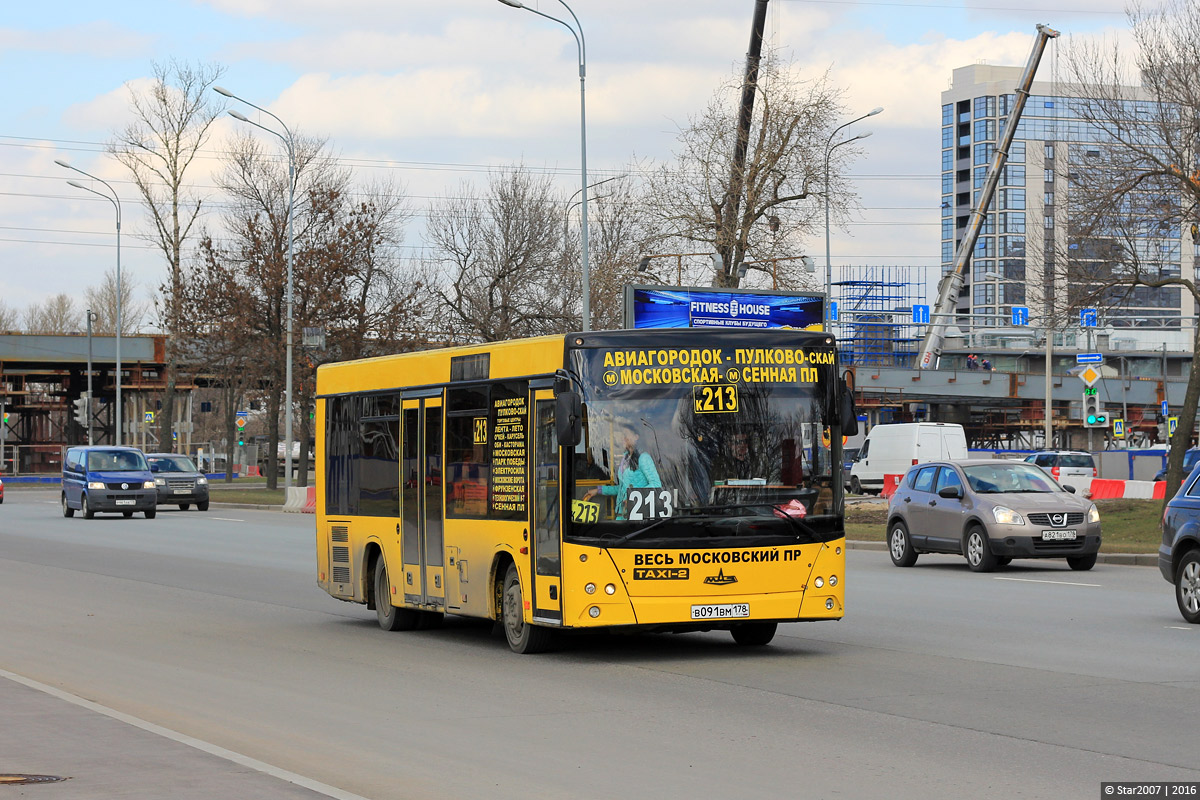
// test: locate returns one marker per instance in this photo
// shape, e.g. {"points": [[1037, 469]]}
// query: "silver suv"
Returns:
{"points": [[1065, 464], [991, 512]]}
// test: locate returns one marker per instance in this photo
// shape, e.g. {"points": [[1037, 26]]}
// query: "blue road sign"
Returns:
{"points": [[1020, 315], [921, 315], [1089, 358], [1119, 428], [1165, 411], [243, 413], [833, 310], [1087, 317]]}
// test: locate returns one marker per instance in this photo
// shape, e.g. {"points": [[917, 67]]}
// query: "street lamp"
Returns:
{"points": [[572, 202], [581, 46], [290, 143], [828, 151], [116, 201], [644, 264]]}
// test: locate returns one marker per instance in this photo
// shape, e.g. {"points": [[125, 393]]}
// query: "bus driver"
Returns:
{"points": [[636, 470]]}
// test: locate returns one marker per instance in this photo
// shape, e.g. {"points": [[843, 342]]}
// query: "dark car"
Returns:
{"points": [[1179, 553], [114, 479], [1190, 458], [178, 482], [990, 511]]}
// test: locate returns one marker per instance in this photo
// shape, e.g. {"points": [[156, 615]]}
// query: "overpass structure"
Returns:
{"points": [[41, 376]]}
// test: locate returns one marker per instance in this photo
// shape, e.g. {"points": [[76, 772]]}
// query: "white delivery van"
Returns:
{"points": [[892, 449]]}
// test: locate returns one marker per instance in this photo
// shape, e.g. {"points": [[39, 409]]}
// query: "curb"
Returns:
{"points": [[1125, 559], [250, 506]]}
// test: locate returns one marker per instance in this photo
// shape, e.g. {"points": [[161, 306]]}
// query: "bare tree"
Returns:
{"points": [[57, 315], [1141, 186], [171, 124], [9, 318], [503, 253], [620, 233], [102, 300], [792, 123]]}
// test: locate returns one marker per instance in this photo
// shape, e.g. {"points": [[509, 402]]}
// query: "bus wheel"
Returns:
{"points": [[754, 634], [522, 638], [391, 618]]}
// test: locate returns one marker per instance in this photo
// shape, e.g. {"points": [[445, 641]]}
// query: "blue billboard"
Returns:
{"points": [[689, 307]]}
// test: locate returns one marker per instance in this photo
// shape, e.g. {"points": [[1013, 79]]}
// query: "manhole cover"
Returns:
{"points": [[13, 779]]}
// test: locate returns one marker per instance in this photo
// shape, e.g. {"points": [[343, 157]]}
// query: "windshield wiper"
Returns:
{"points": [[803, 527]]}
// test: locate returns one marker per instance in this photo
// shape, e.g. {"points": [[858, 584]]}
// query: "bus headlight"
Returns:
{"points": [[819, 582], [610, 589], [594, 612], [590, 588], [833, 580]]}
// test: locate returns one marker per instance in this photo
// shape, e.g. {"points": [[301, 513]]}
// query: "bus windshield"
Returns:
{"points": [[725, 442]]}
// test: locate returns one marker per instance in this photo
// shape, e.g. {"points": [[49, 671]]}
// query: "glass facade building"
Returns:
{"points": [[1029, 232]]}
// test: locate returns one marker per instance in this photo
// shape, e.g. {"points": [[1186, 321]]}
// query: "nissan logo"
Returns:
{"points": [[1058, 519]]}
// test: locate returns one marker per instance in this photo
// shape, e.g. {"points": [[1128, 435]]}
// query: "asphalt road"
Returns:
{"points": [[1034, 681]]}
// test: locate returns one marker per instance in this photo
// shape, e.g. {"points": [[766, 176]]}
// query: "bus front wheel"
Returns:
{"points": [[754, 634], [391, 618], [522, 638]]}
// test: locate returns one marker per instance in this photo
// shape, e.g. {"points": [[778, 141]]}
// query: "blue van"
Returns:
{"points": [[115, 479]]}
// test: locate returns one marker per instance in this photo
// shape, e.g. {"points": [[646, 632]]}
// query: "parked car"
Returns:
{"points": [[849, 456], [116, 479], [1065, 464], [178, 482], [990, 511], [1179, 553], [892, 449], [1191, 457]]}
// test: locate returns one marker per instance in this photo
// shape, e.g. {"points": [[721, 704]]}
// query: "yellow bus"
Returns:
{"points": [[660, 480]]}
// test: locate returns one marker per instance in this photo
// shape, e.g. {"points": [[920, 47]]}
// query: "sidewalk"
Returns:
{"points": [[102, 754]]}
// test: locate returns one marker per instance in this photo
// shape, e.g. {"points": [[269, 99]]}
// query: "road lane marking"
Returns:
{"points": [[227, 519], [182, 738], [1176, 628], [1060, 583]]}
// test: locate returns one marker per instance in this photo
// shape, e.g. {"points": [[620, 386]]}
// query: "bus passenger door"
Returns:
{"points": [[421, 516], [547, 491]]}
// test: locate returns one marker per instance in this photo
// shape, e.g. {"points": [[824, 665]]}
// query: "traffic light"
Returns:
{"points": [[1093, 415], [241, 431], [81, 411]]}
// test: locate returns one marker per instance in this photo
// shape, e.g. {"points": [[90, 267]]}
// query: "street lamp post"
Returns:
{"points": [[91, 315], [290, 143], [829, 150], [576, 31], [116, 201], [572, 202]]}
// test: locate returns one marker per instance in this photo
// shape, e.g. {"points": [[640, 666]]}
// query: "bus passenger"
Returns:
{"points": [[636, 470]]}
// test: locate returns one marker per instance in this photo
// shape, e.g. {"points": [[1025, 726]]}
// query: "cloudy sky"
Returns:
{"points": [[434, 92]]}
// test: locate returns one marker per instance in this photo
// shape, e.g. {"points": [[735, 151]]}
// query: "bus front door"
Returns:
{"points": [[546, 553], [421, 516]]}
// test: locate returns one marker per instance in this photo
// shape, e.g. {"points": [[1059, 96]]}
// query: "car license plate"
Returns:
{"points": [[721, 611], [183, 491], [1059, 536], [127, 502]]}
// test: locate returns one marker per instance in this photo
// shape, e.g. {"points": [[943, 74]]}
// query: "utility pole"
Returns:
{"points": [[733, 197]]}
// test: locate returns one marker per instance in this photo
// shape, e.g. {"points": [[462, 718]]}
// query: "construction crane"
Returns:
{"points": [[951, 284]]}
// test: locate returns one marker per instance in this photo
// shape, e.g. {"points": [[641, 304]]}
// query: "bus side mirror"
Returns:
{"points": [[847, 413], [568, 419]]}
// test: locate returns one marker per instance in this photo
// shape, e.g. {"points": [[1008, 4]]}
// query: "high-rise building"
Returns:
{"points": [[1030, 231]]}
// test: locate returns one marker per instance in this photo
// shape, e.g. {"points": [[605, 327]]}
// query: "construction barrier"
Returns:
{"points": [[297, 497], [252, 471], [1107, 489], [310, 501], [890, 484]]}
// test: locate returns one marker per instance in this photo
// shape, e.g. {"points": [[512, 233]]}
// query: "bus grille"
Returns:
{"points": [[341, 575], [339, 533], [341, 555]]}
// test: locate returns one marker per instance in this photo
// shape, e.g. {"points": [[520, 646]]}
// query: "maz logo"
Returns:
{"points": [[720, 579]]}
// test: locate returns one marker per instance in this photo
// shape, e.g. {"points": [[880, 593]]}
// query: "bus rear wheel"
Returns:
{"points": [[754, 634], [522, 638], [391, 618]]}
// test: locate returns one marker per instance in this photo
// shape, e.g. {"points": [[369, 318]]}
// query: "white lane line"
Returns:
{"points": [[1176, 628], [227, 519], [175, 736], [1060, 583]]}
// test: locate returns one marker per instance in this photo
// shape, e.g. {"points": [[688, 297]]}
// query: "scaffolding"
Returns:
{"points": [[875, 316]]}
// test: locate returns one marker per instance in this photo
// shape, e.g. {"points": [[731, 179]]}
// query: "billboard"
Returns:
{"points": [[691, 307]]}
